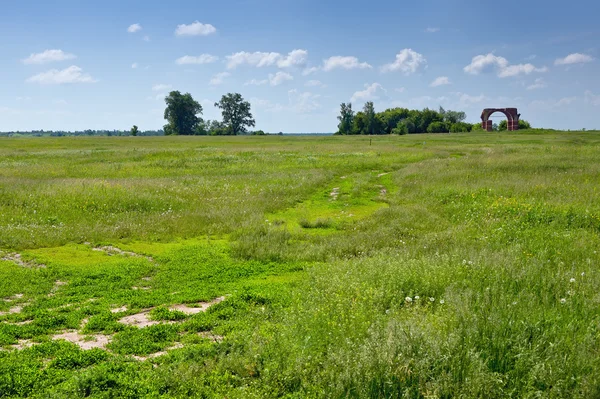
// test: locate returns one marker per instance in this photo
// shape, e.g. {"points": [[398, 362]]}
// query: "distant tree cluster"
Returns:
{"points": [[88, 132], [183, 115], [399, 121], [406, 121]]}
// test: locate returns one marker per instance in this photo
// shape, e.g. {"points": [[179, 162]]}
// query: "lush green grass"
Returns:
{"points": [[421, 266]]}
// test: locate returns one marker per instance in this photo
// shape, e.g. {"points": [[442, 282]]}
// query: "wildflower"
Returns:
{"points": [[582, 274], [442, 301], [387, 311], [408, 299], [417, 297], [432, 299], [563, 300], [514, 303], [572, 280]]}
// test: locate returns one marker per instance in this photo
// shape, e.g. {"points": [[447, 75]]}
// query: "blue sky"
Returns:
{"points": [[71, 65]]}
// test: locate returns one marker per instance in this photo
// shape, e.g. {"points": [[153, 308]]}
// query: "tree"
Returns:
{"points": [[454, 116], [359, 123], [400, 128], [236, 113], [438, 127], [370, 117], [523, 125], [461, 127], [181, 114], [346, 118], [134, 130]]}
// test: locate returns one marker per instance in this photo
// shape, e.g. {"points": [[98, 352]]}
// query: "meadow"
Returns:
{"points": [[417, 266]]}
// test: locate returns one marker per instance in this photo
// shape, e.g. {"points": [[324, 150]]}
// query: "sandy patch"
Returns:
{"points": [[158, 354], [17, 258], [198, 308], [334, 194], [57, 285], [13, 310], [23, 344], [110, 250], [119, 310], [84, 342]]}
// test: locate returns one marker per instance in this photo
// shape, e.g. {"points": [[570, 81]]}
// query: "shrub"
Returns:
{"points": [[438, 127], [461, 127]]}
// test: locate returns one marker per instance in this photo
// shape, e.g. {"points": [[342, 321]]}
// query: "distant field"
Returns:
{"points": [[419, 266]]}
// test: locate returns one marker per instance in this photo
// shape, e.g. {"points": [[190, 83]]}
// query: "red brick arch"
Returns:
{"points": [[512, 116]]}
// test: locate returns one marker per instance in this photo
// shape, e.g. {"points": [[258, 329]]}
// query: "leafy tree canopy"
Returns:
{"points": [[181, 114], [236, 113]]}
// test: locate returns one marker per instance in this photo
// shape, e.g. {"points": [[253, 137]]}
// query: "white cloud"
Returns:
{"points": [[538, 84], [294, 58], [195, 29], [314, 83], [440, 81], [552, 104], [303, 102], [467, 99], [407, 61], [134, 28], [484, 63], [161, 87], [309, 71], [72, 74], [520, 69], [48, 56], [576, 58], [219, 78], [371, 92], [134, 65], [256, 82], [197, 60], [340, 62], [432, 30], [592, 98], [261, 59], [400, 90], [279, 78]]}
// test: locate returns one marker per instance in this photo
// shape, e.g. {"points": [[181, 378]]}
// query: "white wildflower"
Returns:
{"points": [[442, 301], [408, 299], [563, 300], [572, 280], [417, 297], [432, 299]]}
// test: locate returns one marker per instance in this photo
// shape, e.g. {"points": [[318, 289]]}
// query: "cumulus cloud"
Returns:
{"points": [[310, 70], [340, 62], [219, 78], [161, 87], [134, 28], [432, 30], [314, 83], [72, 74], [196, 60], [195, 29], [538, 84], [261, 59], [485, 63], [256, 82], [407, 61], [279, 78], [440, 81], [47, 57], [575, 58], [592, 98], [371, 92], [303, 102]]}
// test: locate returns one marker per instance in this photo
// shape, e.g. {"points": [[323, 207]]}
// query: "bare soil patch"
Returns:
{"points": [[85, 342]]}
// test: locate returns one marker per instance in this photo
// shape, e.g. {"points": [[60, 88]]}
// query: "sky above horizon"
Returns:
{"points": [[75, 65]]}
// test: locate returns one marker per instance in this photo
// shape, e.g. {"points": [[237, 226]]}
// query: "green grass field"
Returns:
{"points": [[420, 266]]}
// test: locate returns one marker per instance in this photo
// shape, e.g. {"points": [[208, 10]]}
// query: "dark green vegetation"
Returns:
{"points": [[421, 266], [182, 115], [405, 121]]}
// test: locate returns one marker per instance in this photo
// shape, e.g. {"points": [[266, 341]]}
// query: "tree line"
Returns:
{"points": [[183, 116], [406, 121]]}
